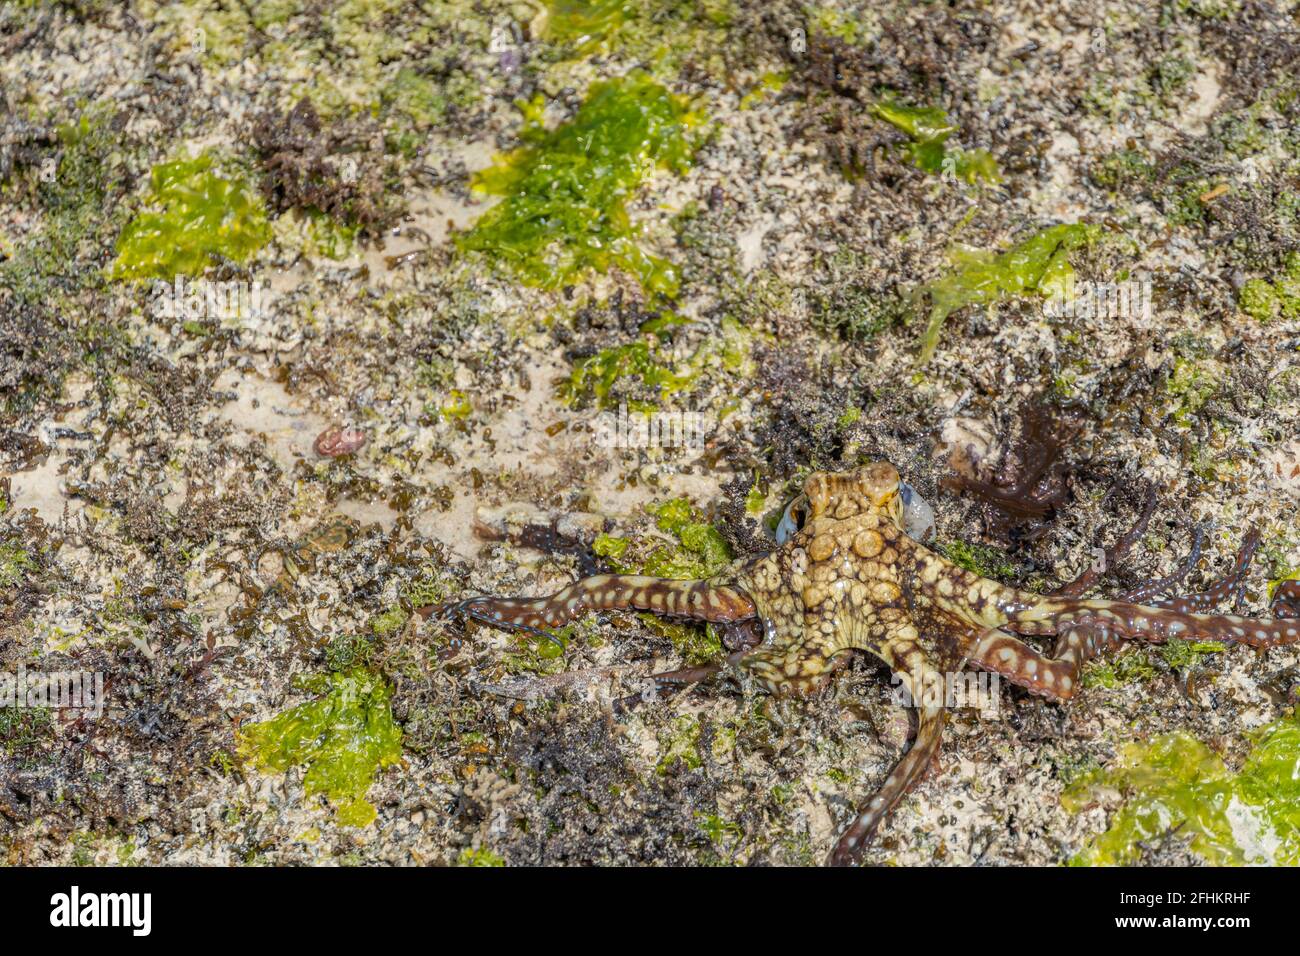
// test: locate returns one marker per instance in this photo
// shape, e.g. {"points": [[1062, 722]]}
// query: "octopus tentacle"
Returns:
{"points": [[1122, 620], [1054, 677], [927, 687], [850, 578], [1230, 585], [1152, 589], [1078, 645], [929, 733], [1115, 553], [1286, 600], [792, 669], [701, 600]]}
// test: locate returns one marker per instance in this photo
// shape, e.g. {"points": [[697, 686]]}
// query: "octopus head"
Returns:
{"points": [[872, 489]]}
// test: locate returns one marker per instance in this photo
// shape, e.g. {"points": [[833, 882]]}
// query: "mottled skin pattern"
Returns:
{"points": [[851, 579]]}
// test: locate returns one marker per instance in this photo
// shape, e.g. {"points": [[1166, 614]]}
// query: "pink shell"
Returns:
{"points": [[336, 441]]}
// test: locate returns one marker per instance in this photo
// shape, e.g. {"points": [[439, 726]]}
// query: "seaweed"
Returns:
{"points": [[648, 366], [844, 300], [566, 191], [343, 737], [75, 172], [702, 550], [1039, 265], [1030, 483], [697, 550], [1265, 301], [909, 66], [928, 130], [665, 35], [982, 559], [585, 23], [314, 167], [1174, 784], [198, 219]]}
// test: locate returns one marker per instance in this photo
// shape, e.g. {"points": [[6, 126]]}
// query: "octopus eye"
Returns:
{"points": [[918, 516], [792, 519]]}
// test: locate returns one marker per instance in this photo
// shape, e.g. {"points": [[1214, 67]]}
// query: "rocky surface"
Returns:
{"points": [[219, 507]]}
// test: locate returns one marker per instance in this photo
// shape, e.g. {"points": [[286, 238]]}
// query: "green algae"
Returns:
{"points": [[836, 23], [1258, 299], [717, 830], [432, 585], [422, 100], [198, 218], [374, 37], [315, 234], [348, 650], [220, 33], [1175, 784], [649, 361], [565, 192], [662, 34], [1122, 168], [15, 565], [597, 375], [24, 729], [80, 215], [1132, 666], [680, 743], [768, 84], [1191, 384], [701, 550], [1210, 9], [1039, 265], [843, 299], [1264, 300], [1187, 655], [457, 407], [343, 738], [480, 857], [929, 129], [608, 546], [982, 559], [697, 550], [389, 622], [585, 23], [544, 654]]}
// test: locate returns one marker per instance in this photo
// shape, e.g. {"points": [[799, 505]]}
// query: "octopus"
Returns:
{"points": [[849, 574]]}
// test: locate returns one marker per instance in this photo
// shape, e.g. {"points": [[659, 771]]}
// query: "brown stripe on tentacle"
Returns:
{"points": [[1078, 645], [604, 592]]}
